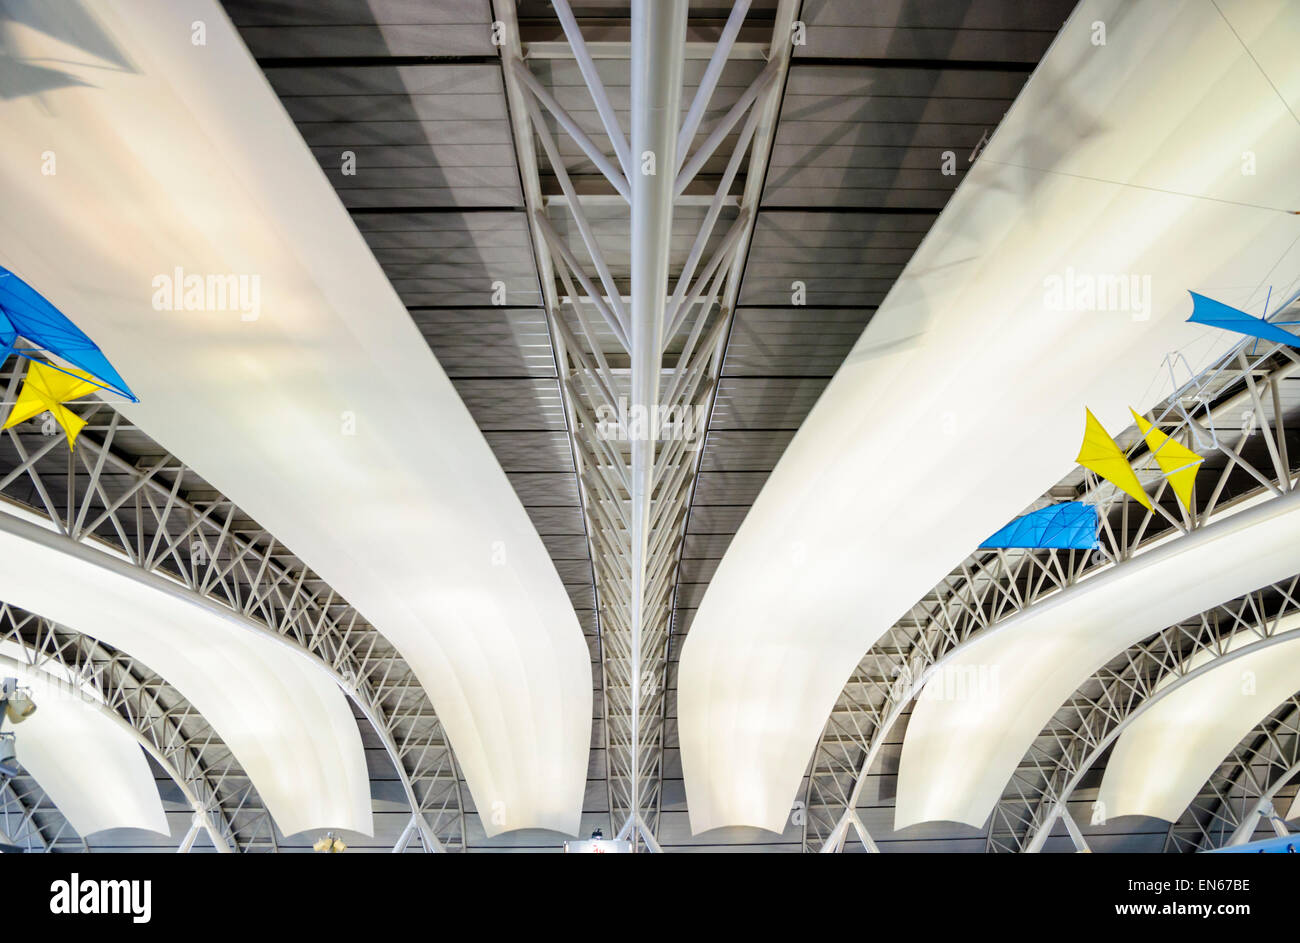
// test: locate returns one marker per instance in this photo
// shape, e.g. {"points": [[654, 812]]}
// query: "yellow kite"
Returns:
{"points": [[1100, 453], [47, 388], [1179, 463]]}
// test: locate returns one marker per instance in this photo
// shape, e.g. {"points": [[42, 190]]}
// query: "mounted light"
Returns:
{"points": [[86, 760], [18, 703], [329, 844]]}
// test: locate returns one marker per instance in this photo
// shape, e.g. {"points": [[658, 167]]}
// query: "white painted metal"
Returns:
{"points": [[117, 689], [1130, 698], [634, 493], [994, 585], [658, 31], [142, 514], [1228, 808], [717, 61], [588, 68]]}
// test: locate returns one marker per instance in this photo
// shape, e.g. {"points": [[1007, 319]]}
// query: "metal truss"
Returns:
{"points": [[1240, 794], [158, 518], [167, 726], [1115, 697], [23, 806], [1250, 460], [635, 368]]}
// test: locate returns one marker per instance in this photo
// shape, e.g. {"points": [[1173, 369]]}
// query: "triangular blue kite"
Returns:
{"points": [[1217, 314], [25, 313], [1068, 526]]}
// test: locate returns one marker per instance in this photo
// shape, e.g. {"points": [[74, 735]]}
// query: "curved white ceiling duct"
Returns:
{"points": [[284, 718], [964, 399], [1164, 757], [92, 769], [959, 753], [313, 403]]}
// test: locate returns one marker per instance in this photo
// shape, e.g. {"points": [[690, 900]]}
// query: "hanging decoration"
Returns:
{"points": [[1178, 463], [1217, 314], [47, 389], [25, 313], [1100, 454], [1068, 526]]}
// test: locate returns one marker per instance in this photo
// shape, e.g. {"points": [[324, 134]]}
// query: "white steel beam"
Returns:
{"points": [[658, 32], [635, 486]]}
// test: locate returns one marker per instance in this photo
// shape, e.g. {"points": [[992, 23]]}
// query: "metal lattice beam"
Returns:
{"points": [[1227, 810], [165, 725], [611, 337], [992, 586], [144, 514], [1118, 695]]}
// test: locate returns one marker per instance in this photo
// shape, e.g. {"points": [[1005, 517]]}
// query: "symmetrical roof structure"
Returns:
{"points": [[616, 395]]}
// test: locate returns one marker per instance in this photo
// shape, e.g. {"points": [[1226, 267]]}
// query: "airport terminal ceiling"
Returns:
{"points": [[766, 426]]}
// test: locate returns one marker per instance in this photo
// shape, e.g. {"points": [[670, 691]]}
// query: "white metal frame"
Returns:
{"points": [[634, 499], [126, 695], [1042, 788], [1240, 794]]}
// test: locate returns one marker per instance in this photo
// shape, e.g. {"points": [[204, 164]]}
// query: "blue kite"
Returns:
{"points": [[1068, 526], [1217, 314], [25, 313]]}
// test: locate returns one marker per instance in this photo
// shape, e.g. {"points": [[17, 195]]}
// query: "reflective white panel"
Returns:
{"points": [[313, 403], [959, 754], [92, 768], [1164, 757], [964, 399], [286, 721]]}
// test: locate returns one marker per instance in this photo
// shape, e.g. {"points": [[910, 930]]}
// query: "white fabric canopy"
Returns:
{"points": [[320, 410], [964, 399], [959, 754], [287, 723], [93, 769], [1165, 756]]}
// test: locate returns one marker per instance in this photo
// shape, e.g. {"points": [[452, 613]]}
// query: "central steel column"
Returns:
{"points": [[658, 45]]}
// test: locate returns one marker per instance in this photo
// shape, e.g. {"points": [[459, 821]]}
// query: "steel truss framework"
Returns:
{"points": [[635, 485], [161, 518], [223, 801], [22, 804], [994, 585], [1116, 696], [1240, 794]]}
